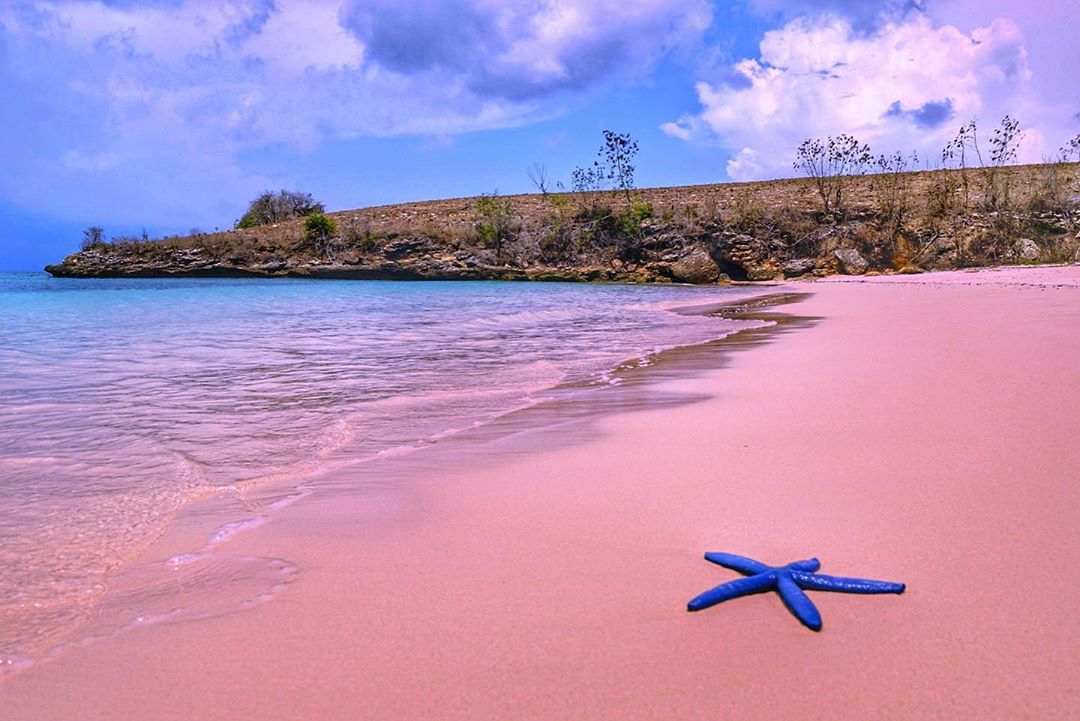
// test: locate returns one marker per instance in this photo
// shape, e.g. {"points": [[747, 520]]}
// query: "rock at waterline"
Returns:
{"points": [[798, 266], [695, 267], [851, 261]]}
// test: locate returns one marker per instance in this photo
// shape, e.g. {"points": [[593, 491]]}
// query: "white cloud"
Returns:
{"points": [[523, 48], [302, 36], [903, 85], [1050, 103], [745, 164], [681, 129], [286, 35], [292, 70], [178, 93]]}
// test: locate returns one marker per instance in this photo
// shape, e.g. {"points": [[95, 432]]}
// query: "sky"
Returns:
{"points": [[169, 115]]}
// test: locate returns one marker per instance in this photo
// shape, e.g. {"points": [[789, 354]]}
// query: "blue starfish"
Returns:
{"points": [[789, 581]]}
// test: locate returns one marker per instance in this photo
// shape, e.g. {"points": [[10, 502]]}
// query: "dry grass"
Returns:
{"points": [[789, 209]]}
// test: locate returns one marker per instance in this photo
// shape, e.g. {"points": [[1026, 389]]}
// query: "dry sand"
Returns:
{"points": [[922, 431]]}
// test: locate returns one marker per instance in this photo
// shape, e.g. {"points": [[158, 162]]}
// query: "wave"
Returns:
{"points": [[133, 401]]}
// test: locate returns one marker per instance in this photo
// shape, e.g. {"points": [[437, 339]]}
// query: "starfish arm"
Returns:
{"points": [[798, 603], [820, 582], [732, 589], [810, 564], [742, 564]]}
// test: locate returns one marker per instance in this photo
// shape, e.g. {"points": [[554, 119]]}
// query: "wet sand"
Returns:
{"points": [[920, 431]]}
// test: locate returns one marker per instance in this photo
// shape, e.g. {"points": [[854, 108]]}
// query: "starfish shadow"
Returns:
{"points": [[789, 581]]}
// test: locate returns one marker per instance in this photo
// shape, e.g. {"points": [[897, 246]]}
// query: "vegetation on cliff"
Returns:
{"points": [[854, 213], [284, 205]]}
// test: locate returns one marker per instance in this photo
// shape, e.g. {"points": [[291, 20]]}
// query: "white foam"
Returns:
{"points": [[183, 559], [287, 501], [229, 530]]}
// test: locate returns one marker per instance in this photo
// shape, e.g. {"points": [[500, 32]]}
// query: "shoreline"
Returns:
{"points": [[921, 433], [187, 538]]}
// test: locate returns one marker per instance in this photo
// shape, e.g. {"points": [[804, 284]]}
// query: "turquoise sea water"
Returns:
{"points": [[120, 400]]}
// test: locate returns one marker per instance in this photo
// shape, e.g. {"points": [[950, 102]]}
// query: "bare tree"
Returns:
{"points": [[93, 237], [588, 179], [1004, 145], [1005, 142], [965, 142], [831, 163], [619, 152], [892, 184], [539, 177], [587, 182], [1070, 151], [956, 154]]}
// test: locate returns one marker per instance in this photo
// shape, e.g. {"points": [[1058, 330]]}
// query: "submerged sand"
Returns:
{"points": [[922, 431]]}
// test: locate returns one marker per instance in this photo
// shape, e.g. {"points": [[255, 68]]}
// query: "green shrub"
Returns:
{"points": [[272, 207], [629, 231], [319, 229], [495, 222], [631, 219]]}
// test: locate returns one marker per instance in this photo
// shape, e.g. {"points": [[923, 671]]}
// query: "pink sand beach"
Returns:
{"points": [[922, 429]]}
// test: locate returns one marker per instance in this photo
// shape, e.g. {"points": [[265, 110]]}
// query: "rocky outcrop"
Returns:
{"points": [[744, 257], [664, 256], [798, 267], [851, 261], [685, 236], [1027, 250], [111, 261], [697, 267]]}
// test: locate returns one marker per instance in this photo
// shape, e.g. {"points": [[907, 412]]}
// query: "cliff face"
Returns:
{"points": [[702, 234], [664, 257]]}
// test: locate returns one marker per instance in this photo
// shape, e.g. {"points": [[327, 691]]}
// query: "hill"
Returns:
{"points": [[890, 222]]}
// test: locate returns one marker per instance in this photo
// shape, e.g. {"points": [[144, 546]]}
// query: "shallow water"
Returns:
{"points": [[122, 400]]}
